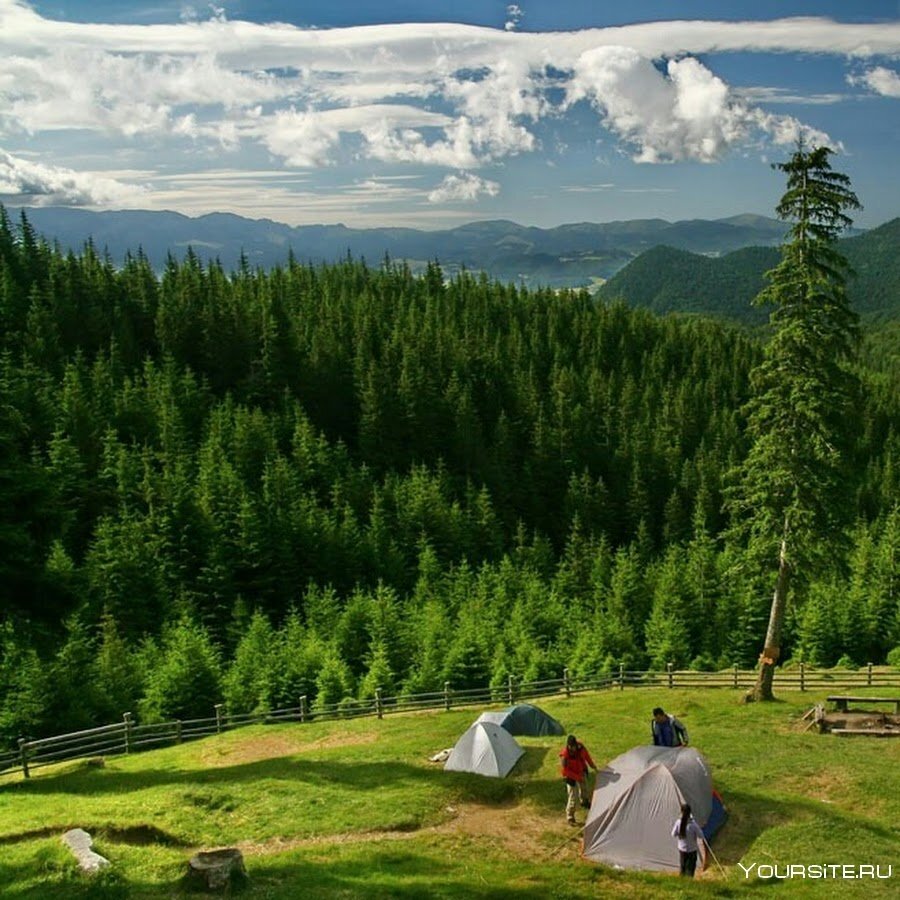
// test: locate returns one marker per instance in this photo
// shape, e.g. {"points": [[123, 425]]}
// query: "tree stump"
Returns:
{"points": [[217, 869]]}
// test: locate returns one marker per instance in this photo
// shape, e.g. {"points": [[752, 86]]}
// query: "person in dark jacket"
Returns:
{"points": [[575, 762], [667, 731]]}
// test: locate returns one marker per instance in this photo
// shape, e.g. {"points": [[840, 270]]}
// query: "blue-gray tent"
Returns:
{"points": [[523, 718], [637, 799]]}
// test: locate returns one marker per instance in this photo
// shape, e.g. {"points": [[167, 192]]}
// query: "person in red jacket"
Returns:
{"points": [[575, 761]]}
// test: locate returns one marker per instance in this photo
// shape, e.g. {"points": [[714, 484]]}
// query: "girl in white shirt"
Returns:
{"points": [[690, 840]]}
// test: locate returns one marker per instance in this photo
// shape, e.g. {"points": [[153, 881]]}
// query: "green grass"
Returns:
{"points": [[354, 809]]}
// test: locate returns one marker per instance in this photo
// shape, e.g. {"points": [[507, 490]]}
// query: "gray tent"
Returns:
{"points": [[523, 718], [485, 749], [636, 801]]}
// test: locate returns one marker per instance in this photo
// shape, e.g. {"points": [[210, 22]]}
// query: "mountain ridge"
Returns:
{"points": [[569, 255], [667, 279]]}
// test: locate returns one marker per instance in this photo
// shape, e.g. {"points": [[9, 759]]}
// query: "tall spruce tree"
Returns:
{"points": [[786, 502]]}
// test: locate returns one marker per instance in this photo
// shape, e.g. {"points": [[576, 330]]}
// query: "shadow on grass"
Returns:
{"points": [[387, 873], [359, 774], [53, 873], [374, 872], [140, 835], [531, 762], [750, 815]]}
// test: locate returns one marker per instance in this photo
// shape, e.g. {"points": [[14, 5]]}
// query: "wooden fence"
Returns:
{"points": [[129, 736]]}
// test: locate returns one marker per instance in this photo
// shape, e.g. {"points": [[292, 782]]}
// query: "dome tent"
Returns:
{"points": [[523, 718], [636, 801], [485, 749]]}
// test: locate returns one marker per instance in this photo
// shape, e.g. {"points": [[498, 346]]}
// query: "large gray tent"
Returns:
{"points": [[636, 801], [485, 749], [523, 718]]}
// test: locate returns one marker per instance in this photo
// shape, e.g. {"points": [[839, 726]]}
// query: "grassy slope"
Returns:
{"points": [[355, 810]]}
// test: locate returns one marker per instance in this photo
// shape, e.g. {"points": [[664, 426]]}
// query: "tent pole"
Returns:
{"points": [[713, 855], [570, 838]]}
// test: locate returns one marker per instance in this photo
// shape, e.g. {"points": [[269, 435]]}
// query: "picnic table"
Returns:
{"points": [[842, 701]]}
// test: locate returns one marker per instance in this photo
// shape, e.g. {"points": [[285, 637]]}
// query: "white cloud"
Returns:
{"points": [[449, 95], [311, 138], [588, 188], [683, 113], [782, 95], [880, 80], [21, 179], [514, 11], [464, 186]]}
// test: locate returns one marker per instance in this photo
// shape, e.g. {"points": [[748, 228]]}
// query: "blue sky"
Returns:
{"points": [[433, 113]]}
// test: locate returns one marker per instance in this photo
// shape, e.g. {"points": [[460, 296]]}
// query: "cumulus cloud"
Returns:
{"points": [[450, 95], [880, 80], [464, 186], [311, 138], [514, 11], [684, 112], [43, 185]]}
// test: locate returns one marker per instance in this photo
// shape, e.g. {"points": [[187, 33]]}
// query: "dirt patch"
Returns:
{"points": [[520, 829], [36, 833], [273, 746]]}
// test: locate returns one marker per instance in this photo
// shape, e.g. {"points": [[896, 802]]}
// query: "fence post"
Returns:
{"points": [[23, 755], [219, 718], [621, 676], [869, 674], [128, 725], [378, 708], [178, 731], [510, 690], [802, 675], [567, 685], [735, 677], [447, 695], [669, 667], [303, 708]]}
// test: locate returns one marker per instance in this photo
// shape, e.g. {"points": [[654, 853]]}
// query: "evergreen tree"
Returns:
{"points": [[26, 688], [787, 502], [668, 631], [294, 664], [116, 674], [186, 681], [378, 675], [246, 683], [334, 682]]}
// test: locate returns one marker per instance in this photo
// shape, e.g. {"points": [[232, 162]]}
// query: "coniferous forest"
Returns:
{"points": [[253, 485]]}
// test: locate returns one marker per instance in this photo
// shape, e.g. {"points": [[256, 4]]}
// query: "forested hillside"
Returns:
{"points": [[565, 256], [666, 279], [256, 485]]}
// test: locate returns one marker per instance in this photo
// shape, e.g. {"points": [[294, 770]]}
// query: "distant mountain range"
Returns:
{"points": [[666, 279], [570, 255]]}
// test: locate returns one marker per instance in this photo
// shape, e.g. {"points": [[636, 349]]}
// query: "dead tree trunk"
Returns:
{"points": [[772, 650]]}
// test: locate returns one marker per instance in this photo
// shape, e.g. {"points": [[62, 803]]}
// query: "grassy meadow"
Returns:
{"points": [[355, 809]]}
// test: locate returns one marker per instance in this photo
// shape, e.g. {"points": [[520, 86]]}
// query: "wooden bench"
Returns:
{"points": [[841, 702], [871, 732]]}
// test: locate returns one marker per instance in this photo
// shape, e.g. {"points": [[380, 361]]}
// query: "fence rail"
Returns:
{"points": [[128, 736]]}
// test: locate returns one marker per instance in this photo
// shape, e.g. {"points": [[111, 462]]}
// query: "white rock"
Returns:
{"points": [[80, 843]]}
